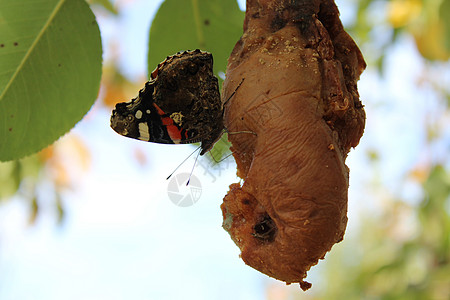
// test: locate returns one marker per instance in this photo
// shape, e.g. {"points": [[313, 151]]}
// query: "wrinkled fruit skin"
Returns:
{"points": [[299, 98]]}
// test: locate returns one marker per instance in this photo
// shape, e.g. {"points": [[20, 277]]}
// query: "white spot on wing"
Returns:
{"points": [[148, 111], [138, 114], [143, 132]]}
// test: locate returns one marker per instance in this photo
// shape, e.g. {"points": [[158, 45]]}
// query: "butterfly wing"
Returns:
{"points": [[187, 79], [143, 119], [179, 105]]}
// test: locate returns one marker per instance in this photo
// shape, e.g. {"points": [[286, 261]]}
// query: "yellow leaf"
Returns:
{"points": [[430, 40], [403, 12]]}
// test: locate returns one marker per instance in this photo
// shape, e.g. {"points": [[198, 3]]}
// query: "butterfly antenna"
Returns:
{"points": [[187, 183], [224, 158], [235, 90], [184, 162], [243, 131], [213, 158]]}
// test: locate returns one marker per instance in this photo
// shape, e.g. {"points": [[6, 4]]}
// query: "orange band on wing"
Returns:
{"points": [[160, 111], [173, 131]]}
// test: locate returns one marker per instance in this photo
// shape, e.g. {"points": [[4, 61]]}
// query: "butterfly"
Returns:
{"points": [[180, 104]]}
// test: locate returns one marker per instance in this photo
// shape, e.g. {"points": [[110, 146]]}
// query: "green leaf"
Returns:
{"points": [[9, 179], [221, 148], [211, 25], [35, 208], [106, 4], [444, 13], [50, 58]]}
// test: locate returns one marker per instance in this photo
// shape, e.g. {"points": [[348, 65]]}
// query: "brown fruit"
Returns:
{"points": [[299, 98]]}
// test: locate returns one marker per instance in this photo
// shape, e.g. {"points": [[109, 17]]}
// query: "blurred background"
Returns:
{"points": [[90, 216]]}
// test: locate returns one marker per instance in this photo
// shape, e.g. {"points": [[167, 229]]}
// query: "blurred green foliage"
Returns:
{"points": [[379, 24], [13, 172], [21, 178], [403, 253]]}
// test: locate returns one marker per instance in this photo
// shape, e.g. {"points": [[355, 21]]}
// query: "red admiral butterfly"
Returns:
{"points": [[179, 105]]}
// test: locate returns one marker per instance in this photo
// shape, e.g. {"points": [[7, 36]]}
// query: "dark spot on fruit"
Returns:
{"points": [[59, 65], [265, 230], [2, 45], [10, 129], [12, 116], [313, 213], [206, 22], [277, 23], [16, 44]]}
